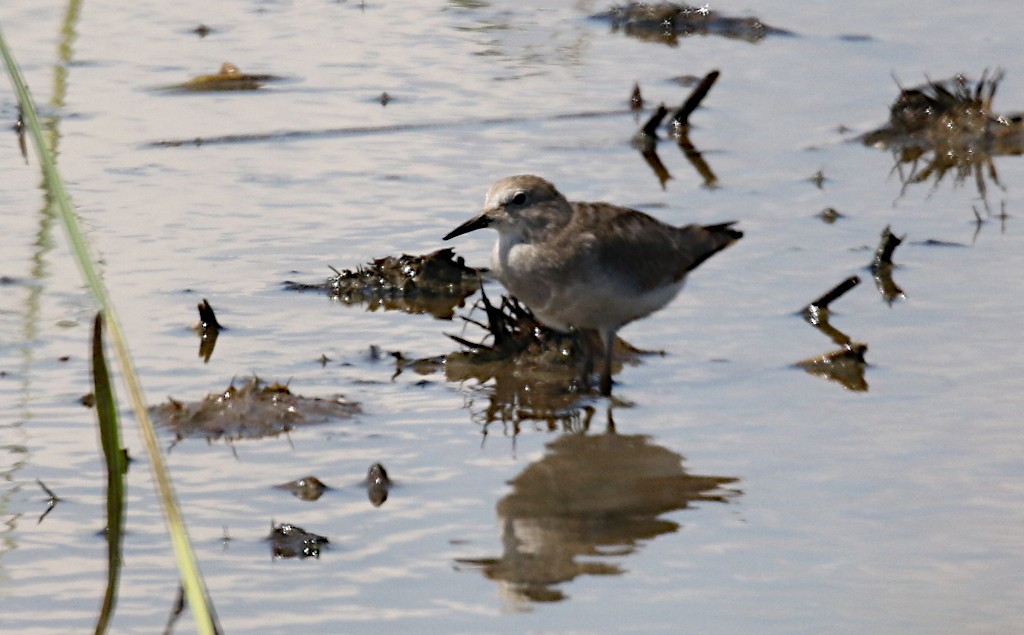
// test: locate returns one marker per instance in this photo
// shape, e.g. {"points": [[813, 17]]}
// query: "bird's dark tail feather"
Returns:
{"points": [[716, 238]]}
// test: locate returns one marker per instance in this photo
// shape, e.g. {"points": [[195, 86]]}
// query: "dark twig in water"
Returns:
{"points": [[208, 329], [882, 266], [207, 318], [650, 129], [681, 118], [883, 255], [636, 100], [821, 304]]}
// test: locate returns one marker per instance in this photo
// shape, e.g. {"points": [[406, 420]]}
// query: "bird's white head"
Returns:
{"points": [[525, 205]]}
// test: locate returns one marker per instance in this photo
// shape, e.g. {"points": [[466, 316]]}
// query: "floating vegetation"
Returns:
{"points": [[228, 78], [435, 283], [666, 22], [289, 541], [252, 411], [944, 127]]}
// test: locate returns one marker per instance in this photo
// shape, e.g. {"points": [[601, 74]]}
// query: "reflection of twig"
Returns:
{"points": [[646, 141], [844, 366], [693, 155], [51, 502]]}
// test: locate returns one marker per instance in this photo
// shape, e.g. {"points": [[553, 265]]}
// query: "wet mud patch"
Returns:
{"points": [[435, 283], [251, 411]]}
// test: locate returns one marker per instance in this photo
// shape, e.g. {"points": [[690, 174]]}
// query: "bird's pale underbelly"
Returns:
{"points": [[590, 298]]}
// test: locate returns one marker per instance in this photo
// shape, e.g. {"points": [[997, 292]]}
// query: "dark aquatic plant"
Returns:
{"points": [[949, 127]]}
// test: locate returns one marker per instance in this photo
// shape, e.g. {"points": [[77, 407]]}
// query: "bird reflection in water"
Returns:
{"points": [[582, 507]]}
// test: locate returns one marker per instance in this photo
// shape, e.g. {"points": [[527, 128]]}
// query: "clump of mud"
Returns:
{"points": [[666, 22], [435, 283], [251, 411]]}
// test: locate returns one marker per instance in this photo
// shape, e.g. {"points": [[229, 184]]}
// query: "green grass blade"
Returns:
{"points": [[191, 578], [117, 464]]}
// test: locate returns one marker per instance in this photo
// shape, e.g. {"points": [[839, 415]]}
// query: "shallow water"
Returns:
{"points": [[898, 509]]}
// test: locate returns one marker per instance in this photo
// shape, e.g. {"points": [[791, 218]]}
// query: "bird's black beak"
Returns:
{"points": [[473, 224]]}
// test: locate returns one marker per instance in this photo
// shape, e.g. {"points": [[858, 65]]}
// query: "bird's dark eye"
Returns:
{"points": [[519, 198]]}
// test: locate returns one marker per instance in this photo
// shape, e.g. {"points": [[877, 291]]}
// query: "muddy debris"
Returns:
{"points": [[532, 372], [228, 78], [666, 22], [252, 411], [307, 488], [289, 541], [435, 283], [949, 127], [378, 484]]}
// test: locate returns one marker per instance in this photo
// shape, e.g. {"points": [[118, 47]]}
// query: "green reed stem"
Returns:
{"points": [[191, 577]]}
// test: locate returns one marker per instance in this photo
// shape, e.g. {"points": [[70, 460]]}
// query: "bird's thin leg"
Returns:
{"points": [[608, 339], [582, 344]]}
